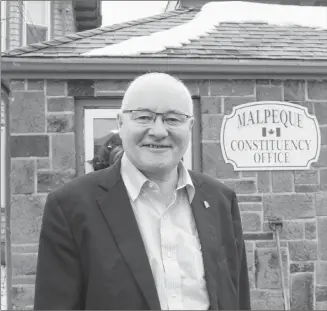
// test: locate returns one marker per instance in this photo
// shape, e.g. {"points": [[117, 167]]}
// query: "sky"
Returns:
{"points": [[121, 11]]}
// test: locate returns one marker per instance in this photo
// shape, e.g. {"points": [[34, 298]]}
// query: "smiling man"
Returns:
{"points": [[145, 233]]}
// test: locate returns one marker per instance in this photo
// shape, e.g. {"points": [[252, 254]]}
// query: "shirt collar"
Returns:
{"points": [[134, 179]]}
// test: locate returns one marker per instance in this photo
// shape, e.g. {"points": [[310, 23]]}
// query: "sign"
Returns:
{"points": [[270, 135]]}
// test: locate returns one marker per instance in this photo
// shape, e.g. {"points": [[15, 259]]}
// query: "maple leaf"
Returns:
{"points": [[271, 131]]}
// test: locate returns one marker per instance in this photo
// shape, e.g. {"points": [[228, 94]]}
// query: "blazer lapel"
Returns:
{"points": [[122, 223], [207, 219]]}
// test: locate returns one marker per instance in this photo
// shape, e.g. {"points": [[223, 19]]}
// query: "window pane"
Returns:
{"points": [[101, 130], [35, 33], [36, 12]]}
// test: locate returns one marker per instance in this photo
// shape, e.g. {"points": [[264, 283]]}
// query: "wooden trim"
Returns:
{"points": [[128, 68]]}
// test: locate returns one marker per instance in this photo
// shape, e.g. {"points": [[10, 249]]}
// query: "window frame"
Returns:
{"points": [[25, 22]]}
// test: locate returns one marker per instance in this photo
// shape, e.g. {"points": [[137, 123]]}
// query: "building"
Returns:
{"points": [[63, 101], [27, 22]]}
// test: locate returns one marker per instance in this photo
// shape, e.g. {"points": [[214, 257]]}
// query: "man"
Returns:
{"points": [[144, 233]]}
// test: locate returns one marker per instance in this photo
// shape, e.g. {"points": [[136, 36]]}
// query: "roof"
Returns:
{"points": [[228, 40]]}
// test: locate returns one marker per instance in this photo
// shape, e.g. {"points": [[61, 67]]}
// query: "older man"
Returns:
{"points": [[145, 233]]}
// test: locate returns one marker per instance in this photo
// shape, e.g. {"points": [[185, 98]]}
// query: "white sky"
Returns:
{"points": [[120, 11]]}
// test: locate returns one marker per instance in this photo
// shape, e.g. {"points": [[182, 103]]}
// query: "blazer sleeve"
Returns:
{"points": [[58, 282], [243, 290]]}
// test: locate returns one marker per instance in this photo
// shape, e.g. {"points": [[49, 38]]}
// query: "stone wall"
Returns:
{"points": [[43, 158]]}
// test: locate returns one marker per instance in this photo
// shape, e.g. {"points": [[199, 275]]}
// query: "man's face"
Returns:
{"points": [[158, 147]]}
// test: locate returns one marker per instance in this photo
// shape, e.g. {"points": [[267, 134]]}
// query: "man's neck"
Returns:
{"points": [[166, 181]]}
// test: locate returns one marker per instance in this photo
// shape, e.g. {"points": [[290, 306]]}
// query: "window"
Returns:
{"points": [[36, 21], [97, 125], [3, 26]]}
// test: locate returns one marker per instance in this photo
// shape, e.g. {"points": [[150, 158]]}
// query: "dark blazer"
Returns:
{"points": [[91, 254]]}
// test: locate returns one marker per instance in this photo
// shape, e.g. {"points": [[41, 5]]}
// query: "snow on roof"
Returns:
{"points": [[210, 16]]}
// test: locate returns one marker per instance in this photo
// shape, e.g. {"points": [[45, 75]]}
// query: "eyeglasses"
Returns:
{"points": [[147, 117]]}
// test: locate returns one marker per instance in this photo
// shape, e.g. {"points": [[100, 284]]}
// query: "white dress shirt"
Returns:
{"points": [[170, 238]]}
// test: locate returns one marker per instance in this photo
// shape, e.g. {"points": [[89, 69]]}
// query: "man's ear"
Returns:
{"points": [[119, 120]]}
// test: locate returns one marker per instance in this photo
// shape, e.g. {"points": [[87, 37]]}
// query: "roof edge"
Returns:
{"points": [[107, 68]]}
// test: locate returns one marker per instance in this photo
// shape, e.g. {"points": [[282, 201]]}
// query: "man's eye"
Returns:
{"points": [[144, 118]]}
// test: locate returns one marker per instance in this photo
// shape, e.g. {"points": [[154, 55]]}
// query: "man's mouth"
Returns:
{"points": [[156, 146]]}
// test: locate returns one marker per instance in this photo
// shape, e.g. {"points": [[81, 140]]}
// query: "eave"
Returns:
{"points": [[127, 68]]}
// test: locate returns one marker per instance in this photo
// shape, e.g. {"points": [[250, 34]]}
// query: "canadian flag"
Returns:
{"points": [[270, 132]]}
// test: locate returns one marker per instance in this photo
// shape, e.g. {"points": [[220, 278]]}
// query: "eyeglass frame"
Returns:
{"points": [[160, 114]]}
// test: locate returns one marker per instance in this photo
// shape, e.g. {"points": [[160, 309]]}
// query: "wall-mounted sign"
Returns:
{"points": [[270, 135]]}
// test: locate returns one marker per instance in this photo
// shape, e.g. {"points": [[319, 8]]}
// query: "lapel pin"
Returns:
{"points": [[206, 204]]}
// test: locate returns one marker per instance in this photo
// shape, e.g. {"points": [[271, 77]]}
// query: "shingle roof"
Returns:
{"points": [[229, 40]]}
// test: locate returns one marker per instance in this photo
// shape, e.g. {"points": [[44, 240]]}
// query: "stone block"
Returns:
{"points": [[271, 92], [26, 218], [60, 123], [310, 229], [43, 163], [29, 146], [321, 112], [241, 186], [17, 85], [249, 198], [321, 305], [282, 181], [258, 236], [250, 262], [251, 221], [111, 85], [303, 250], [317, 89], [323, 179], [211, 105], [23, 296], [321, 203], [211, 127], [230, 102], [248, 174], [63, 151], [294, 90], [306, 177], [270, 244], [321, 273], [321, 293], [288, 206], [322, 234], [27, 112], [48, 181], [56, 88], [81, 88], [59, 104], [22, 177], [322, 160], [302, 291], [35, 85], [323, 135], [302, 267], [266, 300], [267, 268], [306, 188], [292, 230], [214, 164], [23, 279], [250, 207], [231, 87], [264, 182], [24, 264]]}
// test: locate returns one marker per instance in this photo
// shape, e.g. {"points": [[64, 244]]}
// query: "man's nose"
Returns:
{"points": [[158, 128]]}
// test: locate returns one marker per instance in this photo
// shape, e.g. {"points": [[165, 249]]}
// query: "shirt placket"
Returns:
{"points": [[170, 263]]}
